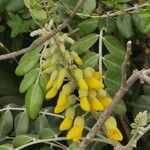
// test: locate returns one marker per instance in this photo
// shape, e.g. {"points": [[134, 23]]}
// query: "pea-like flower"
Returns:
{"points": [[84, 103], [76, 58], [75, 133], [112, 131], [67, 122], [105, 101]]}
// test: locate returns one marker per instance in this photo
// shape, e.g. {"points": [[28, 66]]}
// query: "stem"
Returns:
{"points": [[41, 141], [100, 50], [23, 109]]}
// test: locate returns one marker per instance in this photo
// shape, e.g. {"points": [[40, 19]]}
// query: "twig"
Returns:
{"points": [[107, 112], [126, 62], [23, 109], [100, 50], [116, 13], [40, 41]]}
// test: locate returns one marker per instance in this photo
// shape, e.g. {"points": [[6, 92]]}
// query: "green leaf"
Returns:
{"points": [[34, 100], [14, 6], [21, 123], [142, 104], [41, 123], [5, 147], [142, 23], [15, 23], [113, 62], [88, 26], [7, 85], [48, 133], [124, 25], [113, 45], [39, 14], [28, 61], [89, 6], [120, 109], [84, 43], [146, 89], [21, 140], [108, 24], [28, 80], [6, 123], [90, 59]]}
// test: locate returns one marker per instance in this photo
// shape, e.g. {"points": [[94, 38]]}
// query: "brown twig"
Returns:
{"points": [[40, 41], [126, 62], [121, 92]]}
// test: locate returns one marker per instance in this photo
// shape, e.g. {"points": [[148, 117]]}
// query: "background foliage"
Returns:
{"points": [[121, 21]]}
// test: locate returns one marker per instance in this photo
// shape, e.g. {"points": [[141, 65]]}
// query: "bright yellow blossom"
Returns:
{"points": [[60, 108], [51, 93], [94, 84], [105, 101], [97, 75], [112, 131], [82, 84], [75, 133], [52, 79], [84, 103], [66, 124], [96, 105]]}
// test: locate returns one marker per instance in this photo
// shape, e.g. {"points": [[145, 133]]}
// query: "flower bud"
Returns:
{"points": [[66, 124], [76, 58], [53, 77], [51, 93], [84, 103], [101, 94], [96, 105]]}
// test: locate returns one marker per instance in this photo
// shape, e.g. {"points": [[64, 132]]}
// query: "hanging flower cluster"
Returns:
{"points": [[65, 78]]}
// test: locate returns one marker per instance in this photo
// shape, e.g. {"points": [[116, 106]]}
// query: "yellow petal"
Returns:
{"points": [[105, 101], [95, 84], [82, 84], [97, 75], [84, 103], [110, 123], [79, 121], [78, 61], [66, 124], [96, 105], [62, 100], [101, 93], [60, 108], [114, 134], [75, 134], [49, 84], [51, 93], [70, 112]]}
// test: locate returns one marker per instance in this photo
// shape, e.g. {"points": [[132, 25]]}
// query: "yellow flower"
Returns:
{"points": [[70, 112], [68, 88], [84, 103], [76, 58], [60, 108], [75, 133], [101, 93], [114, 134], [66, 124], [97, 75], [52, 79], [105, 101], [94, 83], [78, 74], [96, 105], [112, 131], [78, 61], [82, 84], [83, 93], [62, 100], [51, 93]]}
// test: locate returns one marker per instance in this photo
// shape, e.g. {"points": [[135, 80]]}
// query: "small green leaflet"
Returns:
{"points": [[89, 6]]}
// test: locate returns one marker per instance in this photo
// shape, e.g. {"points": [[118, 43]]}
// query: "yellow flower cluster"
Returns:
{"points": [[74, 86]]}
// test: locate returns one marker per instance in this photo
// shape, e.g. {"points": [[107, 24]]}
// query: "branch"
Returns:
{"points": [[40, 41], [126, 62], [121, 92]]}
